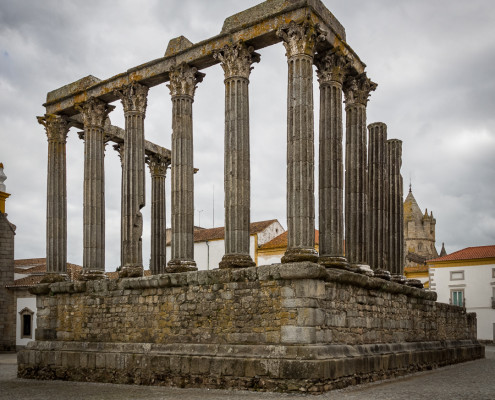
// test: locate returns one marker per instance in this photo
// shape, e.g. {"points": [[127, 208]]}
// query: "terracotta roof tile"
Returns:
{"points": [[281, 241], [29, 261], [38, 270], [469, 253], [28, 281], [201, 234]]}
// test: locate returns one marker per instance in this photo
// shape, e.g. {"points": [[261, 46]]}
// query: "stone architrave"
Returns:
{"points": [[94, 113], [356, 90], [182, 85], [158, 168], [236, 61], [134, 101], [299, 40], [332, 67], [396, 208], [378, 196], [56, 128]]}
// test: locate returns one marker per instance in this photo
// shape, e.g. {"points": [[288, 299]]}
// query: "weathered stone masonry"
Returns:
{"points": [[311, 323], [279, 327]]}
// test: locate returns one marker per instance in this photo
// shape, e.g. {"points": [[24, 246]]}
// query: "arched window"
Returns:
{"points": [[26, 323]]}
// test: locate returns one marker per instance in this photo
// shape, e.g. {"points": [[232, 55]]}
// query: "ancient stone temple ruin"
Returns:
{"points": [[315, 321]]}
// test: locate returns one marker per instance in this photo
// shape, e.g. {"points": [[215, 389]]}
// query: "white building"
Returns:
{"points": [[209, 244], [467, 278], [28, 273]]}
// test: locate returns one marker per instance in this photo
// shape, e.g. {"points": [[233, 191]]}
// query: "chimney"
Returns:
{"points": [[3, 194]]}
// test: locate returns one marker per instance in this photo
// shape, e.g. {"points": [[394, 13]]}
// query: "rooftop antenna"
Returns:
{"points": [[213, 222]]}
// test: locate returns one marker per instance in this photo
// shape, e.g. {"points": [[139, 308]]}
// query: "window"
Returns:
{"points": [[26, 323], [457, 298], [493, 272], [456, 275]]}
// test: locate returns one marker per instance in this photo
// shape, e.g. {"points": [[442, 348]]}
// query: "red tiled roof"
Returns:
{"points": [[281, 241], [201, 234], [37, 270], [29, 261], [27, 281], [469, 253]]}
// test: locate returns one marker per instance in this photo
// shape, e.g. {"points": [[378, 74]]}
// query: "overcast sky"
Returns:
{"points": [[433, 61]]}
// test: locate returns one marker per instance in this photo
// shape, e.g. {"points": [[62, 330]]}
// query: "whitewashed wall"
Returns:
{"points": [[478, 284], [24, 302]]}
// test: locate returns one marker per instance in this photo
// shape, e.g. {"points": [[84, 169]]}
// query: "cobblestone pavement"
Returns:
{"points": [[474, 380]]}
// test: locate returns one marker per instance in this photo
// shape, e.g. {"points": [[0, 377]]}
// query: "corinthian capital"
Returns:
{"points": [[332, 66], [94, 112], [158, 165], [236, 60], [357, 89], [56, 127], [134, 97], [300, 38], [184, 80]]}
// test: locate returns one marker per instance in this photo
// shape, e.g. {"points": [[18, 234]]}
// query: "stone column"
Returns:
{"points": [[299, 41], [56, 128], [119, 148], [236, 62], [331, 70], [134, 101], [183, 82], [396, 208], [357, 90], [94, 113], [158, 168], [378, 194]]}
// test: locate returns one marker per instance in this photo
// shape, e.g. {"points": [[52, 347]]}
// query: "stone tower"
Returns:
{"points": [[419, 233], [7, 305]]}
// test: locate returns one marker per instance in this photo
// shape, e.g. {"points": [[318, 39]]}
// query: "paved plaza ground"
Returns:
{"points": [[474, 380]]}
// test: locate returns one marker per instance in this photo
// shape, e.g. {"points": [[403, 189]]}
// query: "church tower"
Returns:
{"points": [[419, 233]]}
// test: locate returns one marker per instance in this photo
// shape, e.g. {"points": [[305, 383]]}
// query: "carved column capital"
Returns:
{"points": [[158, 165], [332, 66], [119, 148], [300, 38], [236, 60], [94, 112], [184, 80], [56, 126], [357, 89], [134, 97]]}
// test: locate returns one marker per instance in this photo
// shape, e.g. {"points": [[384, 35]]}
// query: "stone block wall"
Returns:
{"points": [[7, 301], [279, 327]]}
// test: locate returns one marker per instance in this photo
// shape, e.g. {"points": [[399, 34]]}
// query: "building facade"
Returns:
{"points": [[467, 278], [209, 244]]}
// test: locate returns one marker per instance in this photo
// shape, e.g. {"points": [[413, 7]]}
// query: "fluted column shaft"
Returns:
{"points": [[183, 81], [299, 41], [119, 148], [134, 102], [236, 62], [331, 73], [158, 168], [56, 202], [94, 113], [396, 208], [378, 196], [356, 91]]}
